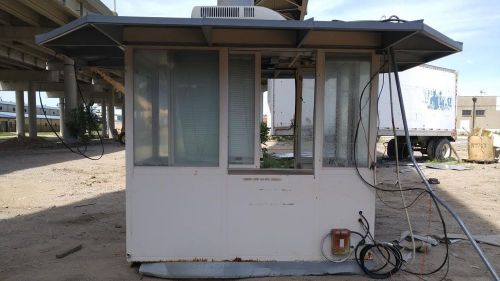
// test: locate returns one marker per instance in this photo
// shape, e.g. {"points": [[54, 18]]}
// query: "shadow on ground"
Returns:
{"points": [[46, 156]]}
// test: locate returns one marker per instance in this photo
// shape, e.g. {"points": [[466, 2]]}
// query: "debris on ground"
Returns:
{"points": [[493, 239], [433, 181], [84, 205], [69, 252], [441, 166], [405, 235]]}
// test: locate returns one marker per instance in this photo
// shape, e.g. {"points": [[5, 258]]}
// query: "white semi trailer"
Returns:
{"points": [[429, 95]]}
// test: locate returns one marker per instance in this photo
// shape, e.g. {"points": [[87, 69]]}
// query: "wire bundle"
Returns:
{"points": [[389, 251], [88, 111]]}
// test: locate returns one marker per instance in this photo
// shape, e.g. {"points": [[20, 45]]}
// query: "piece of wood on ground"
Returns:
{"points": [[69, 252], [491, 239], [84, 205]]}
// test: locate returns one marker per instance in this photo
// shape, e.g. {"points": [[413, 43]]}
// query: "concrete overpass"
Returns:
{"points": [[26, 66]]}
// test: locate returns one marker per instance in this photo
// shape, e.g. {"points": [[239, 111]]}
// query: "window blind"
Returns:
{"points": [[241, 109], [345, 79]]}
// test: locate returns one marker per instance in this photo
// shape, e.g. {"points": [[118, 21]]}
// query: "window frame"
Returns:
{"points": [[467, 110], [372, 107], [130, 60], [483, 112], [223, 167], [257, 110], [256, 169]]}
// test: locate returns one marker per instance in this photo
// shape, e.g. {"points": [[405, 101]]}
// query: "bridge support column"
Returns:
{"points": [[32, 111], [70, 98], [20, 125]]}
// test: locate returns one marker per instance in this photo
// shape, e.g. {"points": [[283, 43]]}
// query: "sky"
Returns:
{"points": [[476, 23]]}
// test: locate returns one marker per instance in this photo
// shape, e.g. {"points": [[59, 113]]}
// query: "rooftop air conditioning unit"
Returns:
{"points": [[235, 9]]}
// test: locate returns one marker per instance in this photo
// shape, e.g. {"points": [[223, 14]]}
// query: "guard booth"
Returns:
{"points": [[199, 199]]}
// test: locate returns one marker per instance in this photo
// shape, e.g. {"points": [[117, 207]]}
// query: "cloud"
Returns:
{"points": [[158, 8], [460, 18]]}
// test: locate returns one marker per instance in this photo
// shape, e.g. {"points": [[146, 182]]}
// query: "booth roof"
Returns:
{"points": [[100, 40]]}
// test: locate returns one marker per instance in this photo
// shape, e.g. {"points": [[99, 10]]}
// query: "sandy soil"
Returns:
{"points": [[52, 200]]}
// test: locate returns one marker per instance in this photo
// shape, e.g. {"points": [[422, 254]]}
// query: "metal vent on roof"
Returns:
{"points": [[249, 12], [235, 12], [220, 12]]}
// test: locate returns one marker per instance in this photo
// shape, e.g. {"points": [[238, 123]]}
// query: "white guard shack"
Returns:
{"points": [[197, 200]]}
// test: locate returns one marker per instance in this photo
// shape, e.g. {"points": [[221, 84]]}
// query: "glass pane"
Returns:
{"points": [[345, 78], [241, 109], [185, 84], [279, 150], [195, 82], [307, 120], [151, 100]]}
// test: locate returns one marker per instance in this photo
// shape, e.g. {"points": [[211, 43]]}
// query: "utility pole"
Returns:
{"points": [[474, 100]]}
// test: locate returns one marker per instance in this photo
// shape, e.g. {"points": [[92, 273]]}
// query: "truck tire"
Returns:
{"points": [[443, 149], [390, 149], [431, 148], [121, 138], [402, 149]]}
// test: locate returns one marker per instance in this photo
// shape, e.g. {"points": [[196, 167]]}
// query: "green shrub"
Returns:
{"points": [[82, 123]]}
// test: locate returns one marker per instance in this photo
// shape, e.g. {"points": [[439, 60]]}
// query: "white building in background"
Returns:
{"points": [[44, 120]]}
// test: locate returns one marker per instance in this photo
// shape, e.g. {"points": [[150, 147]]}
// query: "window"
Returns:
{"points": [[345, 79], [467, 112], [288, 110], [1, 107], [13, 109], [176, 108], [480, 112], [305, 106], [241, 109]]}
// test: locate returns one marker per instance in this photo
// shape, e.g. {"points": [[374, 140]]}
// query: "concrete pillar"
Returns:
{"points": [[70, 97], [20, 114], [104, 119], [111, 114], [123, 117], [32, 112], [61, 116]]}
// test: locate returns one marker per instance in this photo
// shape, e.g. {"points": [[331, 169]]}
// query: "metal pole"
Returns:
{"points": [[426, 182], [474, 100]]}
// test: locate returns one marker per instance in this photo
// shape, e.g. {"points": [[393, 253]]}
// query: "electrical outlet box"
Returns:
{"points": [[341, 241]]}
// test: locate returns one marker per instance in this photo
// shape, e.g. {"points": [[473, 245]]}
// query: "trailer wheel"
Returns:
{"points": [[431, 148], [121, 138], [402, 149], [443, 149]]}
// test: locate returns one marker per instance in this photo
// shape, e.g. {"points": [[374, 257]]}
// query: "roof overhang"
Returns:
{"points": [[100, 40]]}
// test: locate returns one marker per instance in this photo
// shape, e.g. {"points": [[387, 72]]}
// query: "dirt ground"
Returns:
{"points": [[52, 200]]}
